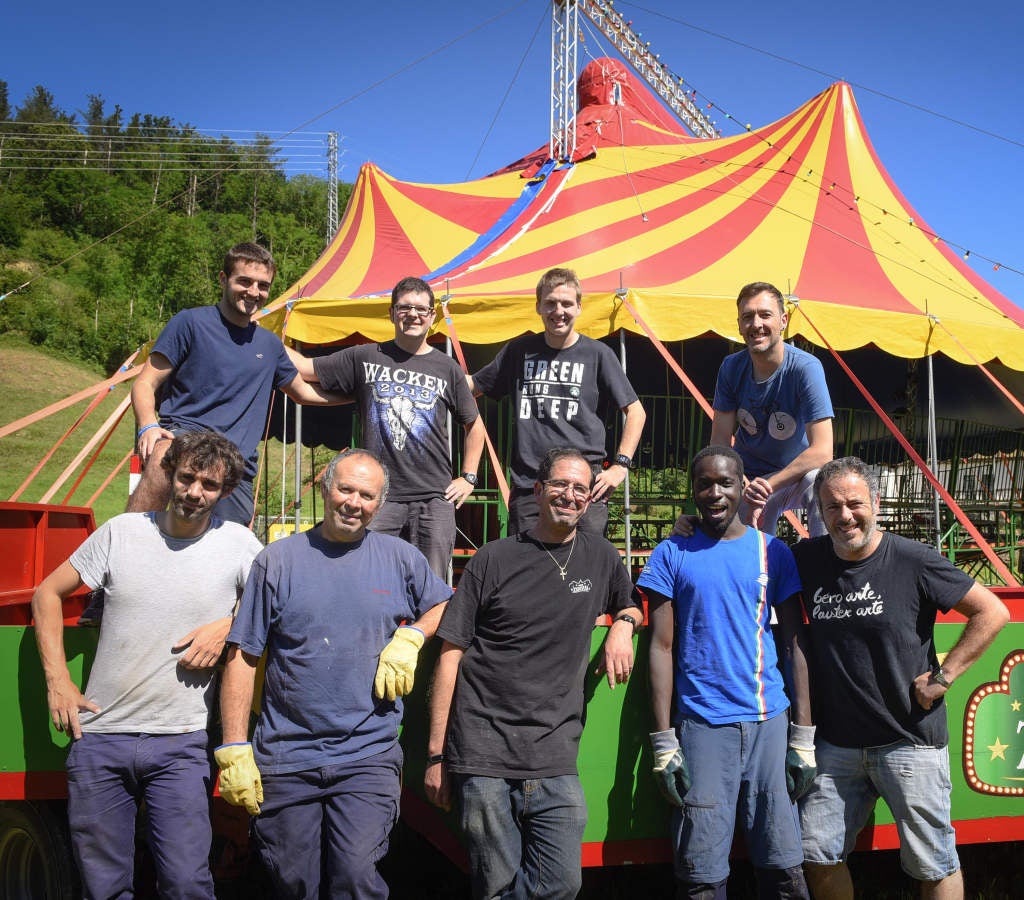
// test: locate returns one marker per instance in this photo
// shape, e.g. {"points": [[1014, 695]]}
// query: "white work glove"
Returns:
{"points": [[801, 764]]}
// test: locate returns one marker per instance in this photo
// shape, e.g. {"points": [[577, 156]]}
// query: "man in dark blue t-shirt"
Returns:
{"points": [[877, 684], [214, 369], [325, 608]]}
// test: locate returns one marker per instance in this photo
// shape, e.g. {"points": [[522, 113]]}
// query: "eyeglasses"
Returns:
{"points": [[418, 311], [581, 492]]}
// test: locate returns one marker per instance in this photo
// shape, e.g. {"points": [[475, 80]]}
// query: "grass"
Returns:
{"points": [[30, 380]]}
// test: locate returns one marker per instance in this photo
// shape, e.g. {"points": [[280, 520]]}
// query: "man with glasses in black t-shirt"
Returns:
{"points": [[508, 696], [406, 389]]}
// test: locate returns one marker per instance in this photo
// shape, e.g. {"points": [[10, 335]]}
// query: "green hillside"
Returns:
{"points": [[30, 379]]}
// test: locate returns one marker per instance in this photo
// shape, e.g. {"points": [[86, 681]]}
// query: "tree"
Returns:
{"points": [[40, 108]]}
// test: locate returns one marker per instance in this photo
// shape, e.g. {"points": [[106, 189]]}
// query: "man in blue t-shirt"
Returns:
{"points": [[213, 369], [720, 738], [774, 398], [326, 607]]}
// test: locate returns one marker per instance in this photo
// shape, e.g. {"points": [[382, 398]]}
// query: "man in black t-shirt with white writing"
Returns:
{"points": [[506, 709], [562, 384], [877, 685], [405, 389]]}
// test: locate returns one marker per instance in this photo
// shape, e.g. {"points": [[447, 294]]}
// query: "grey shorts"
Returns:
{"points": [[912, 779]]}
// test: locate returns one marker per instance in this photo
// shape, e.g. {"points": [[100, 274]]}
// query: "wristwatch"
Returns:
{"points": [[470, 477], [939, 677], [623, 460], [626, 617]]}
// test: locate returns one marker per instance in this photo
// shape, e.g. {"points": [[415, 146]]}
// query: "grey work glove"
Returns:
{"points": [[801, 764], [670, 772]]}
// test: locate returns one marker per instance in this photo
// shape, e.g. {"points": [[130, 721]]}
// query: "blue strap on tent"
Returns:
{"points": [[528, 195]]}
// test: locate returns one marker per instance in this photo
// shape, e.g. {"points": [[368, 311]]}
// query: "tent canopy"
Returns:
{"points": [[678, 223]]}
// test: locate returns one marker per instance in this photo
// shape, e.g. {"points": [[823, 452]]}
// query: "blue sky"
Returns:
{"points": [[228, 66]]}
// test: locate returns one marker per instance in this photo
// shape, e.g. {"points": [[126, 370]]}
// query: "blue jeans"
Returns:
{"points": [[524, 835], [334, 823], [429, 525], [737, 769], [912, 779], [108, 775], [799, 495]]}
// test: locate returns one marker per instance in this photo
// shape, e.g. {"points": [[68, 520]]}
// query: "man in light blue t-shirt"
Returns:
{"points": [[774, 399]]}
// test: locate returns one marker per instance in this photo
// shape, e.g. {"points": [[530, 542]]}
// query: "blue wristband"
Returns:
{"points": [[146, 428]]}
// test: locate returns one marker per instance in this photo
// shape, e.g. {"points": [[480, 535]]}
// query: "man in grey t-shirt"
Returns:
{"points": [[139, 728]]}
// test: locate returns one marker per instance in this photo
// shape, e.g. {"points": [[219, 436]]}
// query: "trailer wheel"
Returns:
{"points": [[35, 853]]}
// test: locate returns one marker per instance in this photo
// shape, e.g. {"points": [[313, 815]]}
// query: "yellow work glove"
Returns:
{"points": [[396, 668], [240, 782]]}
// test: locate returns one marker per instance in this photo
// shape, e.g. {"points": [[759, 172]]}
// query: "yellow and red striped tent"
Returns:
{"points": [[673, 223]]}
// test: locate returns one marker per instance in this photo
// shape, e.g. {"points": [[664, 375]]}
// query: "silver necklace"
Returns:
{"points": [[561, 569]]}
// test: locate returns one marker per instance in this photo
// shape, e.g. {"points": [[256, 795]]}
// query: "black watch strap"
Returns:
{"points": [[626, 617], [623, 460], [470, 477]]}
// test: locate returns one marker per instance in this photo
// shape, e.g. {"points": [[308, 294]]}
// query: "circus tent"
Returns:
{"points": [[671, 224]]}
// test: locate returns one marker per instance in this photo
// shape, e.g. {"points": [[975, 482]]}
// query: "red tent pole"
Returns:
{"points": [[93, 458], [989, 375], [947, 498], [663, 350], [110, 478], [49, 453], [122, 374], [449, 325], [109, 424]]}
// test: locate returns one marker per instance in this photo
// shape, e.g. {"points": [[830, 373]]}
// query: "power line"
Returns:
{"points": [[832, 77]]}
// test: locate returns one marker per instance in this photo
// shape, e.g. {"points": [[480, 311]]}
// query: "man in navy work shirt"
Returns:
{"points": [[213, 369], [877, 685], [322, 774]]}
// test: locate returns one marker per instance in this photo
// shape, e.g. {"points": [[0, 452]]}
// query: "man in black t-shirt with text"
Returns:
{"points": [[563, 384], [506, 709], [405, 389], [877, 685]]}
